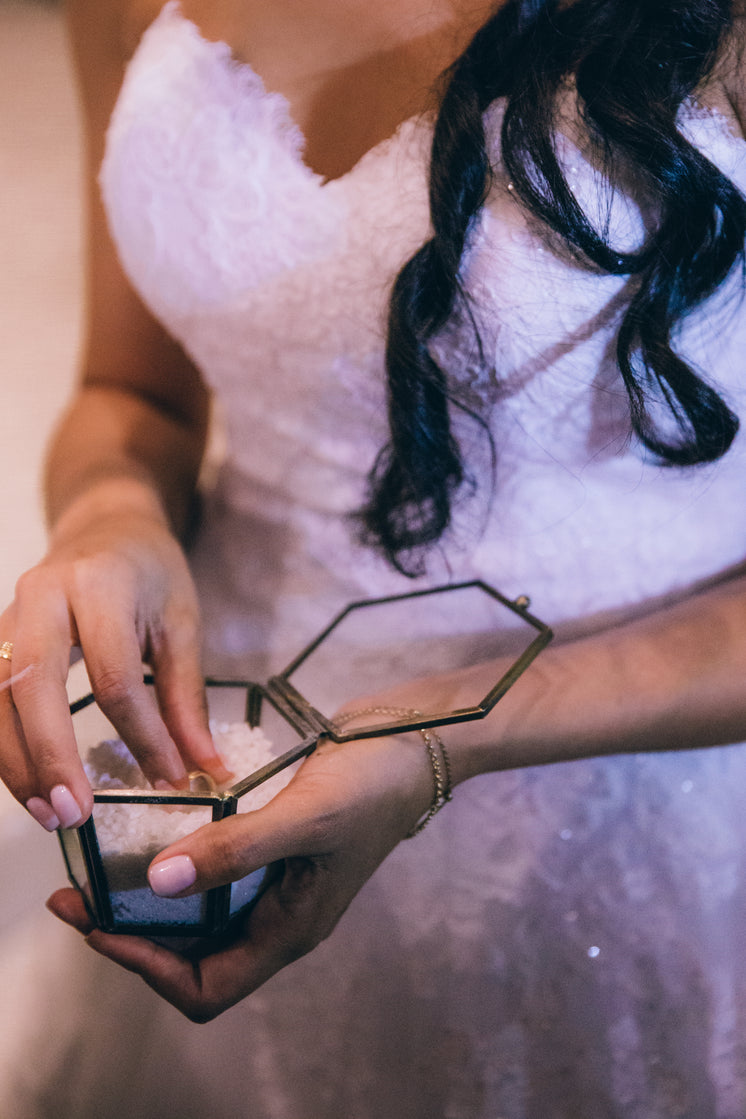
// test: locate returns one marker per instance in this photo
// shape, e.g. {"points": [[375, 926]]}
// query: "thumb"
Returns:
{"points": [[180, 689], [230, 849]]}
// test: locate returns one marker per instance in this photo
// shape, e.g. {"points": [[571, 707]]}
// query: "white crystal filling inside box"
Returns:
{"points": [[129, 835], [244, 749]]}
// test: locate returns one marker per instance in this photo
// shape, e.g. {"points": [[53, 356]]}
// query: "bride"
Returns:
{"points": [[463, 281]]}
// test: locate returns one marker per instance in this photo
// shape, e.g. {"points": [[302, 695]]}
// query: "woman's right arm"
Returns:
{"points": [[121, 475]]}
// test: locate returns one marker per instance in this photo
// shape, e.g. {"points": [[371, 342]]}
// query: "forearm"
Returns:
{"points": [[673, 679], [114, 451]]}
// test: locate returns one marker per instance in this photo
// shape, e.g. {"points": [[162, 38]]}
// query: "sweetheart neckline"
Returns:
{"points": [[224, 53], [225, 56]]}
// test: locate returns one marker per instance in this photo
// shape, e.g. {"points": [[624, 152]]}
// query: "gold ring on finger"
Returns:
{"points": [[6, 650]]}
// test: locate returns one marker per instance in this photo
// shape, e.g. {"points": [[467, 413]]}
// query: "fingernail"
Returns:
{"points": [[171, 876], [42, 813], [176, 784], [223, 775], [66, 806]]}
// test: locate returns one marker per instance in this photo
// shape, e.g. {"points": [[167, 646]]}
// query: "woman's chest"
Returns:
{"points": [[350, 71]]}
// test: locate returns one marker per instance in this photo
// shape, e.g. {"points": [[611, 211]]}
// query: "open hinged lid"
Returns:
{"points": [[393, 649], [400, 645]]}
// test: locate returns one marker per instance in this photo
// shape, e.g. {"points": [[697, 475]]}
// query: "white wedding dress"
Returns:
{"points": [[560, 943]]}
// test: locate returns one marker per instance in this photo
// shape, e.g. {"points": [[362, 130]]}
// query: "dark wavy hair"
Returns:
{"points": [[633, 63]]}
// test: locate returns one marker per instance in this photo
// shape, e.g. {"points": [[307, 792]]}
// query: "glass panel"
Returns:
{"points": [[244, 749], [245, 890], [278, 730], [251, 750], [94, 735], [129, 837], [377, 647], [78, 683], [226, 702], [281, 739], [74, 859], [247, 750]]}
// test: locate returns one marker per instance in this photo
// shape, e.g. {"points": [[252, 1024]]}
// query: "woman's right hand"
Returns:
{"points": [[120, 589], [120, 476]]}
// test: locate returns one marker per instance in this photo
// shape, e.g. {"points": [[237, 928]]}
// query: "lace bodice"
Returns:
{"points": [[277, 283]]}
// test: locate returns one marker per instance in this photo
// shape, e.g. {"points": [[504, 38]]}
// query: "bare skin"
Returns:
{"points": [[121, 473]]}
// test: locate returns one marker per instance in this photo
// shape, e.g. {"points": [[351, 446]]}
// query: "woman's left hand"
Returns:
{"points": [[323, 836]]}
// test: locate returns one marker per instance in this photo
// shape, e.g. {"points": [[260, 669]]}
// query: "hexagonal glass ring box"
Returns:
{"points": [[371, 648]]}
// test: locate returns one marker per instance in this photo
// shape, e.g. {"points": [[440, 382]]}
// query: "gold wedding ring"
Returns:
{"points": [[6, 650], [199, 781]]}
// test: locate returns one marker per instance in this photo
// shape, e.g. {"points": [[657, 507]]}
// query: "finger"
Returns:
{"points": [[181, 697], [174, 977], [52, 782], [171, 975], [68, 905], [17, 771], [230, 849], [274, 935], [114, 661]]}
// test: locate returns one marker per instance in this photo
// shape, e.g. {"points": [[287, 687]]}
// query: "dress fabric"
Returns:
{"points": [[562, 942]]}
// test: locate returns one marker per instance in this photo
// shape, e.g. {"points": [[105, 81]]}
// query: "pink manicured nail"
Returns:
{"points": [[171, 876], [42, 813], [66, 806]]}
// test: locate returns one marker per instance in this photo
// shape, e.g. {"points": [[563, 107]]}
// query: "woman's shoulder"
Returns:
{"points": [[114, 28]]}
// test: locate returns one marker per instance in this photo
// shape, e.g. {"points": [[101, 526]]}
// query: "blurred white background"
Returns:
{"points": [[52, 1065], [40, 298], [39, 263]]}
